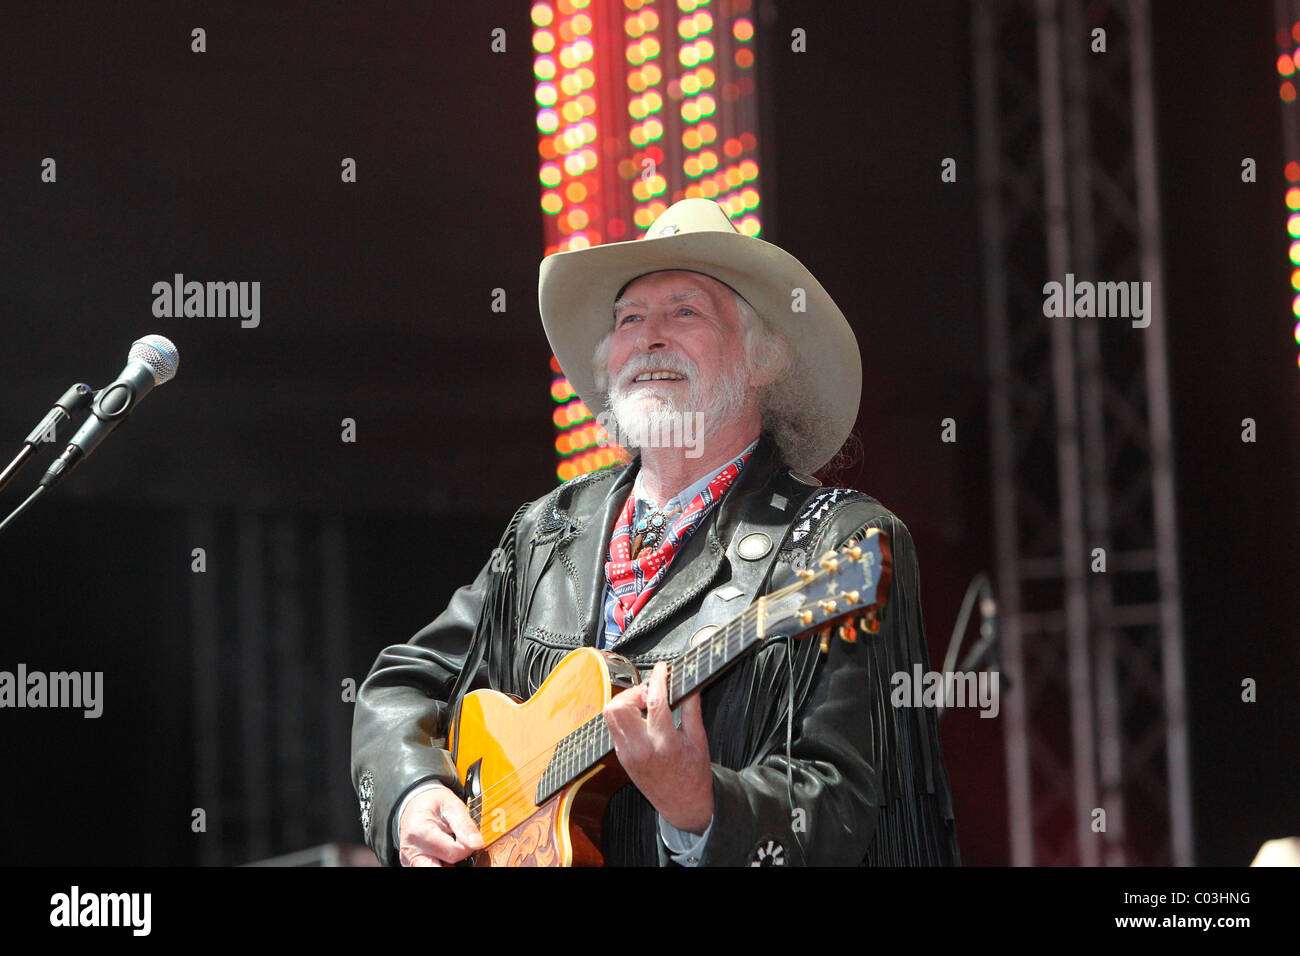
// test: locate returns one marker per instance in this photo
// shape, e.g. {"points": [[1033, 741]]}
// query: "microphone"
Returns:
{"points": [[152, 361]]}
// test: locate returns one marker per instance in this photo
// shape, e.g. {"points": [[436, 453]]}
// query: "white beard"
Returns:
{"points": [[647, 414]]}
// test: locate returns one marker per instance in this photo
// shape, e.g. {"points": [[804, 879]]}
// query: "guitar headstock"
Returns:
{"points": [[844, 592]]}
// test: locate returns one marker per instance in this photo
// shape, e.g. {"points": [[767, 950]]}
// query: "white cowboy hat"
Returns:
{"points": [[576, 291]]}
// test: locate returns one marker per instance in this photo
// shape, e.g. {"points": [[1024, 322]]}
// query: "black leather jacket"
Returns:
{"points": [[865, 781]]}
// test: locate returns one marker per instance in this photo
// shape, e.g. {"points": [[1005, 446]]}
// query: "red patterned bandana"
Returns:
{"points": [[632, 580]]}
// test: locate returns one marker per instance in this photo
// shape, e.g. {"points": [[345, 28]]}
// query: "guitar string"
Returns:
{"points": [[515, 779], [518, 801], [519, 798], [729, 632], [507, 779]]}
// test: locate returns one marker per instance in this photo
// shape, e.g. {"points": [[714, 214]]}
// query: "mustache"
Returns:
{"points": [[658, 362]]}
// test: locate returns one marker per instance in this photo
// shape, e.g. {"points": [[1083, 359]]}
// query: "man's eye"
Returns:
{"points": [[686, 310], [628, 318]]}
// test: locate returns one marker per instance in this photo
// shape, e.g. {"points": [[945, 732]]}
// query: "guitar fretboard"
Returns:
{"points": [[589, 744]]}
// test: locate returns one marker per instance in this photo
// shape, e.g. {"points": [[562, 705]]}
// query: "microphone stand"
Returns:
{"points": [[988, 642], [77, 398]]}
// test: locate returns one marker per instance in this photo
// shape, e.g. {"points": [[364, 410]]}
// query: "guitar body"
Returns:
{"points": [[501, 745]]}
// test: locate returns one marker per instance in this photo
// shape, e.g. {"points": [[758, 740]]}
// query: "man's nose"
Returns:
{"points": [[650, 334]]}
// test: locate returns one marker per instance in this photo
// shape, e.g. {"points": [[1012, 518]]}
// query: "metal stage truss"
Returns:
{"points": [[1095, 727]]}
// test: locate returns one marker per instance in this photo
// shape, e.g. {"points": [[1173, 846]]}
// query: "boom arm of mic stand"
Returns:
{"points": [[77, 398]]}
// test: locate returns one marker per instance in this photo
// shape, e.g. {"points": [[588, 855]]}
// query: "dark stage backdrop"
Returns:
{"points": [[224, 689]]}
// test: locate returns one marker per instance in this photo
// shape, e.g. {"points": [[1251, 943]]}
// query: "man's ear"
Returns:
{"points": [[764, 376], [767, 373]]}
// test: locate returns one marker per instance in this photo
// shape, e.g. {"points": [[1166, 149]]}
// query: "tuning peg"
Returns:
{"points": [[869, 621], [851, 596], [805, 618], [829, 561], [828, 606], [805, 574], [826, 640], [847, 634], [851, 549]]}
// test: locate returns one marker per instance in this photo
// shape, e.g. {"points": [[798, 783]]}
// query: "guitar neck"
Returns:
{"points": [[589, 744]]}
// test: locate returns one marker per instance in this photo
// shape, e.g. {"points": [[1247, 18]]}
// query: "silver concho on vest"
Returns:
{"points": [[754, 547], [704, 633]]}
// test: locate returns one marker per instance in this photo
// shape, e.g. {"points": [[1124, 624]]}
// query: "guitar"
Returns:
{"points": [[537, 775]]}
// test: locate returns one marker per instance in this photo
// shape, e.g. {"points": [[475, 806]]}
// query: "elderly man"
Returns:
{"points": [[794, 756]]}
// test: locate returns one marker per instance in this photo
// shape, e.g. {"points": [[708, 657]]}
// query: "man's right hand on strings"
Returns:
{"points": [[437, 830]]}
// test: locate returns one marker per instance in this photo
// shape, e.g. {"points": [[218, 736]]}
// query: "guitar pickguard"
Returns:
{"points": [[535, 842]]}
